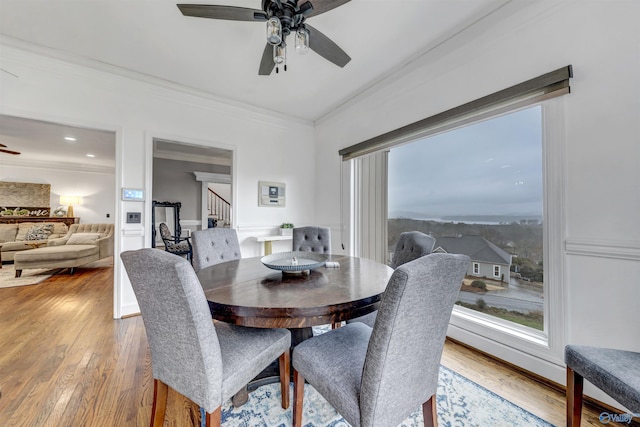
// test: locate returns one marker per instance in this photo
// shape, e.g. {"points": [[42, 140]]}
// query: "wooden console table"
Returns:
{"points": [[18, 219], [268, 247]]}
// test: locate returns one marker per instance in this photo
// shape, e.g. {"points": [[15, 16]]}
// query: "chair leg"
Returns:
{"points": [[575, 383], [298, 398], [160, 391], [284, 364], [429, 413], [213, 419]]}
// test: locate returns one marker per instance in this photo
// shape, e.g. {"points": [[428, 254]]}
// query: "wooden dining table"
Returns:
{"points": [[246, 292]]}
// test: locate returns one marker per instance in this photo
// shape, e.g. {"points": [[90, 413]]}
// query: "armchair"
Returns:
{"points": [[175, 244]]}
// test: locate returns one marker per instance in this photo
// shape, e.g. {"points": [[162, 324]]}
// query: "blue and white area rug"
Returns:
{"points": [[460, 403]]}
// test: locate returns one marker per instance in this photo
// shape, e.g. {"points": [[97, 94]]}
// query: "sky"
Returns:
{"points": [[493, 167]]}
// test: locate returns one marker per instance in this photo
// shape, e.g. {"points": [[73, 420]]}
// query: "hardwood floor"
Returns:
{"points": [[65, 362]]}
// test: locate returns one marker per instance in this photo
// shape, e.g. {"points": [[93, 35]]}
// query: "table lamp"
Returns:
{"points": [[69, 201]]}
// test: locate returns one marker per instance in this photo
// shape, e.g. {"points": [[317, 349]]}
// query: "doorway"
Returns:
{"points": [[182, 173]]}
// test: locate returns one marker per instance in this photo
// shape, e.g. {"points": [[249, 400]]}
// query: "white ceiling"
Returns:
{"points": [[220, 58], [43, 143]]}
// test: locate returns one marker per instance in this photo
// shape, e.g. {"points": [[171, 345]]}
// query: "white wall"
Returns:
{"points": [[521, 41], [95, 189], [56, 90]]}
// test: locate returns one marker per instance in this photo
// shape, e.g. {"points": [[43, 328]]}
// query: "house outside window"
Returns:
{"points": [[476, 269], [496, 271]]}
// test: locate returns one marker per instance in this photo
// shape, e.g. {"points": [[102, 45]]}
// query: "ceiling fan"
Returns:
{"points": [[283, 17], [2, 150]]}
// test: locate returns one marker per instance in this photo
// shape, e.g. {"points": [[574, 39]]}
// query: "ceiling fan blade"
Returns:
{"points": [[8, 151], [230, 13], [326, 48], [322, 6], [266, 63]]}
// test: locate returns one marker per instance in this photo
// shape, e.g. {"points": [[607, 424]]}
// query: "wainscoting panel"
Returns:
{"points": [[629, 250]]}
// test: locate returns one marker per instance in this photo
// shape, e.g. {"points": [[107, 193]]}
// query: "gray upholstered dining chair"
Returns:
{"points": [[205, 361], [616, 372], [312, 239], [411, 245], [378, 376], [213, 246]]}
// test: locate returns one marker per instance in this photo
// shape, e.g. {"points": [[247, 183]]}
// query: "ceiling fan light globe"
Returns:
{"points": [[279, 54], [274, 31], [302, 41]]}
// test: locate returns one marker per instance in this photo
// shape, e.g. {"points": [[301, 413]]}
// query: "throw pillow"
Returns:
{"points": [[83, 238], [39, 232], [8, 232]]}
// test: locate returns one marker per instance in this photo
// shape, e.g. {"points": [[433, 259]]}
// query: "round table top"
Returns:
{"points": [[245, 292]]}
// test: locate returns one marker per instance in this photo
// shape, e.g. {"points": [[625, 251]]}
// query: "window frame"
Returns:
{"points": [[493, 335], [476, 328]]}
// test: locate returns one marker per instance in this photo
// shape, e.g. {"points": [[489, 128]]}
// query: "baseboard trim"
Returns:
{"points": [[126, 316]]}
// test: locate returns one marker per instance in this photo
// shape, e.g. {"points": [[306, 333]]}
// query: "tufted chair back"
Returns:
{"points": [[312, 239], [411, 245], [213, 246]]}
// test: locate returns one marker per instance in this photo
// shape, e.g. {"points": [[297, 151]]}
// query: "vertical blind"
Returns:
{"points": [[370, 205]]}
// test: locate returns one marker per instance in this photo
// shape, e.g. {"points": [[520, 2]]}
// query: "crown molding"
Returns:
{"points": [[62, 166], [146, 78], [194, 158]]}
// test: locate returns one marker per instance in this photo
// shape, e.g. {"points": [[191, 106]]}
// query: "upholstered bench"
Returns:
{"points": [[616, 372], [66, 256]]}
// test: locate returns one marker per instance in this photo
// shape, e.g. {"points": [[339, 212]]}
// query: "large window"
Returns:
{"points": [[479, 191], [489, 175]]}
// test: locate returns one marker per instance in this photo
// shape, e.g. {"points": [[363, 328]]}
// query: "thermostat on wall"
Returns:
{"points": [[271, 194], [136, 194]]}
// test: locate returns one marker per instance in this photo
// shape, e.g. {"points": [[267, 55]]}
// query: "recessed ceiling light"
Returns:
{"points": [[91, 155], [69, 138]]}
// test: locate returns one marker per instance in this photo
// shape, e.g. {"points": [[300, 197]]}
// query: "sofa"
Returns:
{"points": [[83, 243], [24, 236]]}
